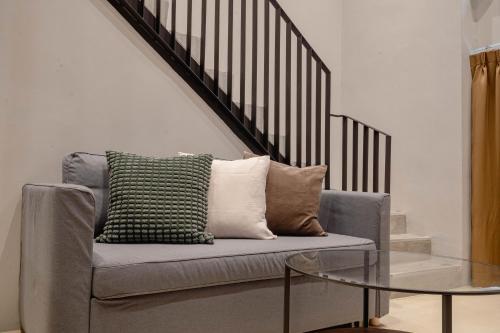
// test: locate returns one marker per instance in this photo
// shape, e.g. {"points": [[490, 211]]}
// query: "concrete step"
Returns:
{"points": [[429, 273], [195, 44], [411, 243], [398, 223], [222, 78]]}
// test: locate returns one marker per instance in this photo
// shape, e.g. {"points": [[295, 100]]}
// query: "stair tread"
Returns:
{"points": [[249, 105], [408, 237], [398, 223], [433, 273], [193, 36], [428, 265]]}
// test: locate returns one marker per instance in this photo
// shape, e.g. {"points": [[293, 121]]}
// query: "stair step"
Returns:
{"points": [[411, 243], [430, 273], [398, 223], [248, 107], [195, 44]]}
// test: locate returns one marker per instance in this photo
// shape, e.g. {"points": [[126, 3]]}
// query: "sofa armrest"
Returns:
{"points": [[56, 258], [358, 214], [365, 215]]}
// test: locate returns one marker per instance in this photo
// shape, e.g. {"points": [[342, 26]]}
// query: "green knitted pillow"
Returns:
{"points": [[155, 200]]}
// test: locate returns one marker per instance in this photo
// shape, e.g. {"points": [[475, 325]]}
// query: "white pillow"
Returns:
{"points": [[237, 199]]}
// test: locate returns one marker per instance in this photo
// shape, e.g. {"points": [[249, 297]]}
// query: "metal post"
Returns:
{"points": [[366, 306], [366, 291], [286, 317], [446, 313]]}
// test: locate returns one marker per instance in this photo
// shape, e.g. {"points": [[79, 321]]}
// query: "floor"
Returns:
{"points": [[422, 314]]}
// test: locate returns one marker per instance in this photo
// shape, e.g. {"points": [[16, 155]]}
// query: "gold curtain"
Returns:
{"points": [[485, 163]]}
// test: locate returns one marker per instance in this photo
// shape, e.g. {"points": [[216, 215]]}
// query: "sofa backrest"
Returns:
{"points": [[90, 170]]}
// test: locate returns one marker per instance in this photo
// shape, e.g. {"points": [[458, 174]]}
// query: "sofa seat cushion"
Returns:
{"points": [[123, 270]]}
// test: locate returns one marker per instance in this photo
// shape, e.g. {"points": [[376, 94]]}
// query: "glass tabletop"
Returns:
{"points": [[399, 271]]}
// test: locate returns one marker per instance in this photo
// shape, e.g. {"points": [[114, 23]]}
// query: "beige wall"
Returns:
{"points": [[402, 72]]}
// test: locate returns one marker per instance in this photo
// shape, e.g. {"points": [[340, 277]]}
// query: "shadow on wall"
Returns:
{"points": [[479, 8], [9, 263]]}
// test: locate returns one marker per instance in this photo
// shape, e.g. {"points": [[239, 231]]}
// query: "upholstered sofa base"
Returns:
{"points": [[70, 284], [244, 308]]}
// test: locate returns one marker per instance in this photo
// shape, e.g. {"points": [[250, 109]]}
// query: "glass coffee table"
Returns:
{"points": [[372, 269]]}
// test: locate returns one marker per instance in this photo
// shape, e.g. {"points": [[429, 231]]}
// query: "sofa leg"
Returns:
{"points": [[375, 322]]}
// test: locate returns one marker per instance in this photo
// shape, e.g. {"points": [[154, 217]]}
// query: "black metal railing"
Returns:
{"points": [[289, 87], [351, 130]]}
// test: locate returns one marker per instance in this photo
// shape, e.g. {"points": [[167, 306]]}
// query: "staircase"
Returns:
{"points": [[405, 242], [250, 63], [423, 271]]}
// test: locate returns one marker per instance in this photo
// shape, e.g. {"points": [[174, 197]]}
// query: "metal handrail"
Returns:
{"points": [[359, 122], [365, 147]]}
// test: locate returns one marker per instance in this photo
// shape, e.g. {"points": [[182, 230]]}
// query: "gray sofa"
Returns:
{"points": [[69, 283]]}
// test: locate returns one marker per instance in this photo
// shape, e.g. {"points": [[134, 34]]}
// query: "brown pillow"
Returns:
{"points": [[292, 199]]}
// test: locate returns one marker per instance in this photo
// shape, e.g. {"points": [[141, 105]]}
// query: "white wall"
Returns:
{"points": [[402, 72], [75, 77]]}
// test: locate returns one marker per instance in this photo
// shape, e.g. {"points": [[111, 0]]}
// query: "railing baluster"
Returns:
{"points": [[288, 93], [266, 72], [299, 102], [308, 106], [216, 46], [344, 154], [366, 134], [387, 175], [158, 16], [243, 58], [189, 31], [277, 60], [140, 7], [355, 156], [203, 38], [327, 127], [375, 160], [254, 65], [173, 24], [318, 113], [230, 55]]}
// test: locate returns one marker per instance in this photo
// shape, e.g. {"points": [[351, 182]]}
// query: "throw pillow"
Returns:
{"points": [[237, 199], [292, 199], [157, 200]]}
